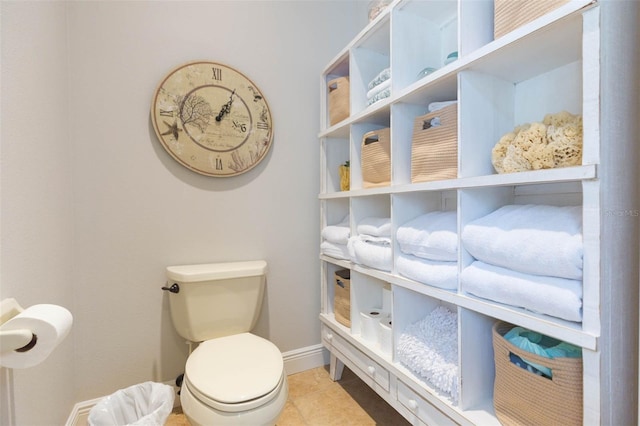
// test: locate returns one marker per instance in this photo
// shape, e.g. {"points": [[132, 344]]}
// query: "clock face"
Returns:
{"points": [[212, 119]]}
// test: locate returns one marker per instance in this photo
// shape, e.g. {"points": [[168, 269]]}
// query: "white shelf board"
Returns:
{"points": [[565, 174]]}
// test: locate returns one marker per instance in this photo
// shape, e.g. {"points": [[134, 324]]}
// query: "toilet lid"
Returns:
{"points": [[235, 369]]}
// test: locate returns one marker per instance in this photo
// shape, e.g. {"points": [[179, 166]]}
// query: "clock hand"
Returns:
{"points": [[226, 107]]}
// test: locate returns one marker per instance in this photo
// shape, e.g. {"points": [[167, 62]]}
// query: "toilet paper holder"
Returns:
{"points": [[14, 340]]}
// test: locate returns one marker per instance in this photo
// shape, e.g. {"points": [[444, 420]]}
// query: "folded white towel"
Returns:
{"points": [[371, 251], [431, 236], [379, 88], [375, 226], [557, 297], [379, 96], [338, 251], [429, 348], [431, 272], [434, 106], [338, 234], [533, 239], [383, 75]]}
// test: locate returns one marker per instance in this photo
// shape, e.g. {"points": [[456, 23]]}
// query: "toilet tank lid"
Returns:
{"points": [[216, 271]]}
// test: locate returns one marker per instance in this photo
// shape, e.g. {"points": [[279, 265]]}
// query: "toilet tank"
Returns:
{"points": [[215, 299]]}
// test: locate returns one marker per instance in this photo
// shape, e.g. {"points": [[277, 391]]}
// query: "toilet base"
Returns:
{"points": [[200, 414]]}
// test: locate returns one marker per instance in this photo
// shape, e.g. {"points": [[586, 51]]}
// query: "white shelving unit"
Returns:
{"points": [[564, 60]]}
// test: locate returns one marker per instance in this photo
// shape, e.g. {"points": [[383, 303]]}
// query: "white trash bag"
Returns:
{"points": [[147, 403]]}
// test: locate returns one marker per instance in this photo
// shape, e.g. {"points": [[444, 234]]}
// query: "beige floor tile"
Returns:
{"points": [[315, 400]]}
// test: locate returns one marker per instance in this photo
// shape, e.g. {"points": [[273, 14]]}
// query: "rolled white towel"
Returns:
{"points": [[431, 236], [375, 226], [431, 272], [557, 297], [533, 239], [374, 252], [338, 251]]}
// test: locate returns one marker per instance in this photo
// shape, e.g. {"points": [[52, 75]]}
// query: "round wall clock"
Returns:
{"points": [[212, 119]]}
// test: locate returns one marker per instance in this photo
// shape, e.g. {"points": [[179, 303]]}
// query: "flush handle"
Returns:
{"points": [[175, 288]]}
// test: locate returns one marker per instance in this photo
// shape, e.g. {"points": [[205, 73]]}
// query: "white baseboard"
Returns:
{"points": [[294, 362], [305, 359]]}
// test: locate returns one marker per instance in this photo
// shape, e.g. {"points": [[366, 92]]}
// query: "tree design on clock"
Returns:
{"points": [[212, 119]]}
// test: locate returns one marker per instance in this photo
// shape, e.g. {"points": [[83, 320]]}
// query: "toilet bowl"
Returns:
{"points": [[233, 377], [234, 380]]}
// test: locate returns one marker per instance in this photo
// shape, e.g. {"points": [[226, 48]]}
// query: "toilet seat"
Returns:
{"points": [[235, 373]]}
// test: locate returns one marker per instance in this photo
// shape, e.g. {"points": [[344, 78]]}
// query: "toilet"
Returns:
{"points": [[233, 377]]}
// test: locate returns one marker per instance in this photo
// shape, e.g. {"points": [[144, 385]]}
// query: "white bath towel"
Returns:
{"points": [[338, 234], [374, 252], [429, 348], [557, 297], [533, 239], [338, 251], [432, 272], [431, 236], [375, 226]]}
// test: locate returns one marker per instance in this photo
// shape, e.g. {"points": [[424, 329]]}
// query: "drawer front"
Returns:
{"points": [[327, 336], [371, 368], [415, 408]]}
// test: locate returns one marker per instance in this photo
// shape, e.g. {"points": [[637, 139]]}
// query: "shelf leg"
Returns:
{"points": [[335, 368]]}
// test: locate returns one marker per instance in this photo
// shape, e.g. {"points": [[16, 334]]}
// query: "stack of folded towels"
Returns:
{"points": [[429, 348], [372, 246], [429, 249], [335, 239], [380, 87], [528, 256]]}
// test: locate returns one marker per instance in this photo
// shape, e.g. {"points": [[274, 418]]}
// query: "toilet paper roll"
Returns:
{"points": [[369, 320], [384, 328], [49, 323]]}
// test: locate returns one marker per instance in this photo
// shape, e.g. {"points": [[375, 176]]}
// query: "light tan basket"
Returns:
{"points": [[524, 398], [376, 158], [434, 149], [338, 99], [342, 297], [511, 14]]}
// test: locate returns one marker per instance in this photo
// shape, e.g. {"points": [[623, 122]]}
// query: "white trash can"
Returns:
{"points": [[147, 403]]}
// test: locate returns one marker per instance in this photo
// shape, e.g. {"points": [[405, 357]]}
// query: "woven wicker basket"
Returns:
{"points": [[524, 398], [342, 297], [376, 158], [511, 14], [434, 149], [338, 99]]}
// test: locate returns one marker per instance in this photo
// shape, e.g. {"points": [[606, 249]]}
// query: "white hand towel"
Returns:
{"points": [[383, 75], [368, 252], [533, 239], [557, 297], [379, 88], [431, 272], [338, 251], [431, 236], [375, 226]]}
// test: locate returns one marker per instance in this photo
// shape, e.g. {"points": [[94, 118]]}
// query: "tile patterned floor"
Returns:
{"points": [[315, 400]]}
